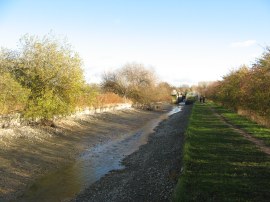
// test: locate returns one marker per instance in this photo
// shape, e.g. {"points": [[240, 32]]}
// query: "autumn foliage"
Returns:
{"points": [[136, 82], [44, 78], [247, 88]]}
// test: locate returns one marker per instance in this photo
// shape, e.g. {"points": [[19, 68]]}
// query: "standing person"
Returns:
{"points": [[200, 99], [203, 99]]}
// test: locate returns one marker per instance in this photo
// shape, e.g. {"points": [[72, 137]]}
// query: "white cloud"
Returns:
{"points": [[243, 44]]}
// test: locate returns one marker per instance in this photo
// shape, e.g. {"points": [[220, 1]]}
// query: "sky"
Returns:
{"points": [[184, 41]]}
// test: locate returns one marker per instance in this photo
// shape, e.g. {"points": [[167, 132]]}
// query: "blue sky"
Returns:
{"points": [[184, 41]]}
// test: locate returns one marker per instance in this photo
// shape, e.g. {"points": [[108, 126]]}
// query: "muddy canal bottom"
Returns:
{"points": [[91, 165]]}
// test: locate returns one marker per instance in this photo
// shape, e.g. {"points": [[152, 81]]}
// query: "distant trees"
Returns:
{"points": [[202, 87], [87, 95], [246, 88], [163, 92], [137, 83], [131, 81]]}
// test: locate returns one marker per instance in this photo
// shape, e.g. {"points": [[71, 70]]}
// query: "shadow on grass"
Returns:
{"points": [[247, 125]]}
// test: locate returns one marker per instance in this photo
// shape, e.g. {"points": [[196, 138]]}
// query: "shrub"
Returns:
{"points": [[246, 88], [50, 70], [13, 97]]}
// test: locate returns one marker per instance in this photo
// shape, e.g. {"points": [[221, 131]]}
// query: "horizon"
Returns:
{"points": [[184, 42]]}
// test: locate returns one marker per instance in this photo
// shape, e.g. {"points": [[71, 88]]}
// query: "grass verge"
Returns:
{"points": [[220, 164], [242, 122]]}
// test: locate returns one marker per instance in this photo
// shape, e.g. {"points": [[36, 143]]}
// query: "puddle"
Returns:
{"points": [[92, 164]]}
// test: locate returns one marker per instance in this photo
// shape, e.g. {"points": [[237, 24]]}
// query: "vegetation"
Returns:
{"points": [[246, 88], [13, 96], [137, 83], [43, 78], [245, 124], [220, 164], [49, 70]]}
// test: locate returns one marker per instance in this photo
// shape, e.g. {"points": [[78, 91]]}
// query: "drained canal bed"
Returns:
{"points": [[91, 165]]}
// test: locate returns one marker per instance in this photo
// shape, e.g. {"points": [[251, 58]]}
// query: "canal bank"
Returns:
{"points": [[150, 173], [34, 152]]}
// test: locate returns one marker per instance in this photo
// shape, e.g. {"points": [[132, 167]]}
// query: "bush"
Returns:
{"points": [[137, 83], [13, 97], [50, 71], [132, 81], [246, 88]]}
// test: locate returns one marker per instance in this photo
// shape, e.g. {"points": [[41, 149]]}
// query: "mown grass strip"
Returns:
{"points": [[219, 164], [242, 122]]}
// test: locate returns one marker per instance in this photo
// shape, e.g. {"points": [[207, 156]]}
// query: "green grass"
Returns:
{"points": [[247, 125], [219, 164]]}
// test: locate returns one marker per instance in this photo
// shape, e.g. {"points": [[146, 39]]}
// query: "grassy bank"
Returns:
{"points": [[247, 125], [219, 164]]}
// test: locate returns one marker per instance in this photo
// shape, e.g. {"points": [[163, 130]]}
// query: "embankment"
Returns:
{"points": [[150, 173], [28, 152]]}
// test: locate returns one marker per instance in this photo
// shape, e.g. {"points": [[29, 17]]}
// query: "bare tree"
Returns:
{"points": [[132, 81]]}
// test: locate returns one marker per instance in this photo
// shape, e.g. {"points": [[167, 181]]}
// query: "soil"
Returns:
{"points": [[150, 173]]}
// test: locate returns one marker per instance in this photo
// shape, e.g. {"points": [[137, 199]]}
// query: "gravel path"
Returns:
{"points": [[150, 173]]}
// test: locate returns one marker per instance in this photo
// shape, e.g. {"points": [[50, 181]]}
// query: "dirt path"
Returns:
{"points": [[151, 173], [259, 143], [27, 153]]}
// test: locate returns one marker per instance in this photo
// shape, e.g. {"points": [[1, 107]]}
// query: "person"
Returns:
{"points": [[203, 99], [200, 99]]}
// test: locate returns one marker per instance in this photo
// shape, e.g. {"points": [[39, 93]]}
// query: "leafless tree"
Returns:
{"points": [[133, 81]]}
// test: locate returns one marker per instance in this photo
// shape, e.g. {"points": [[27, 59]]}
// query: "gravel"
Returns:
{"points": [[151, 173]]}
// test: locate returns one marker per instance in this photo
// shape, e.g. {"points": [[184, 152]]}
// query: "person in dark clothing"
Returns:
{"points": [[203, 99]]}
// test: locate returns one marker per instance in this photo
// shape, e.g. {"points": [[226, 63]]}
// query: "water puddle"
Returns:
{"points": [[94, 163]]}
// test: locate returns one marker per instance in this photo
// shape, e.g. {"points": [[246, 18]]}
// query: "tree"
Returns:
{"points": [[13, 96], [184, 89], [88, 95], [132, 81], [232, 87], [201, 87], [163, 92], [257, 86], [50, 70]]}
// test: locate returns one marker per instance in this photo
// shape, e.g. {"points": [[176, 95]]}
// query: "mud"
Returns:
{"points": [[151, 173], [28, 153]]}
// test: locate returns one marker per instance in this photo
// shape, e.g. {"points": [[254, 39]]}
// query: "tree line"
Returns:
{"points": [[44, 77], [246, 88]]}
